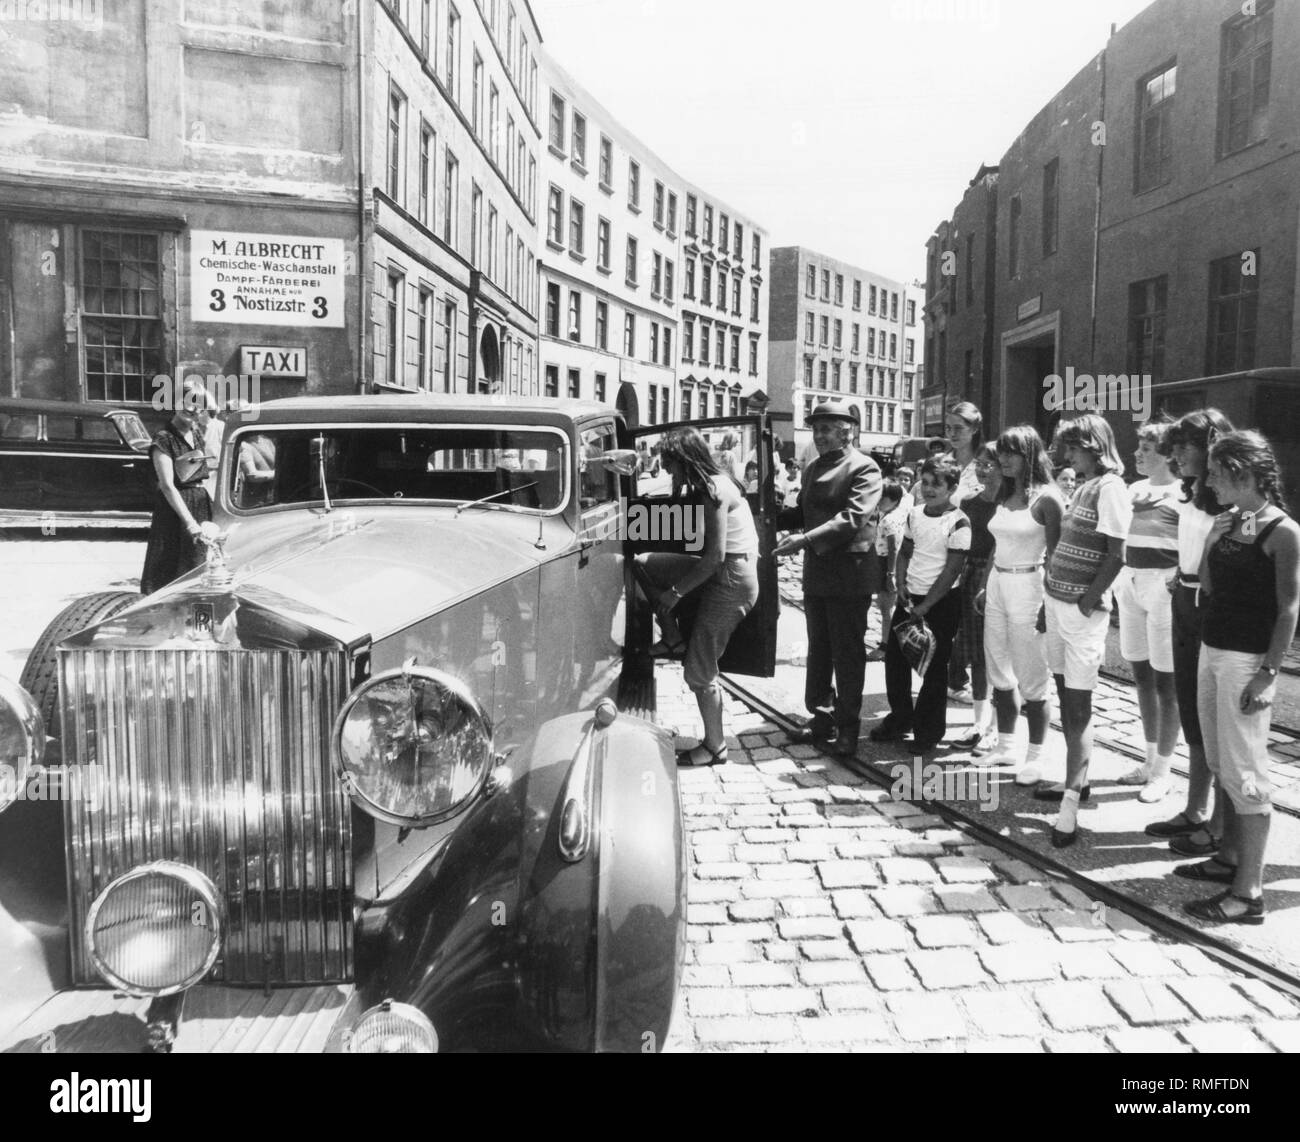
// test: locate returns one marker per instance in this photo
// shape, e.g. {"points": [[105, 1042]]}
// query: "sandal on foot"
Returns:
{"points": [[1212, 911], [1177, 826], [1213, 870], [667, 648], [701, 757]]}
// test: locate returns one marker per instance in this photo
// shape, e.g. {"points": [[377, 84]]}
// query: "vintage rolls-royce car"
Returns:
{"points": [[73, 464], [384, 774]]}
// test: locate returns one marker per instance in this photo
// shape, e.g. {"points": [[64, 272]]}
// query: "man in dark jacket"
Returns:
{"points": [[831, 526]]}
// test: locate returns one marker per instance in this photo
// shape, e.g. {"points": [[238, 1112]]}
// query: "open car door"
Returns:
{"points": [[653, 525]]}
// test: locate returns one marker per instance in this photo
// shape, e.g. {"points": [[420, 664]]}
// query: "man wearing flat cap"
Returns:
{"points": [[831, 526]]}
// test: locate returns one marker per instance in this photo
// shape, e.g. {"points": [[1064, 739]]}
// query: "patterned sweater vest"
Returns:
{"points": [[1081, 548]]}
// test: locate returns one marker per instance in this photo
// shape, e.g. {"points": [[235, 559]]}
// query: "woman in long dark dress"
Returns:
{"points": [[181, 504]]}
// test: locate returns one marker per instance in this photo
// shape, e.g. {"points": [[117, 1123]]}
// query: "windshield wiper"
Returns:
{"points": [[497, 496]]}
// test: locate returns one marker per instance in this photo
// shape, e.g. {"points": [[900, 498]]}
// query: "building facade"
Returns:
{"points": [[178, 195], [725, 310], [451, 210], [1146, 222], [609, 259], [844, 332]]}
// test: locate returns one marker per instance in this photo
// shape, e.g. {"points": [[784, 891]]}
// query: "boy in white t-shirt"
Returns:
{"points": [[936, 539]]}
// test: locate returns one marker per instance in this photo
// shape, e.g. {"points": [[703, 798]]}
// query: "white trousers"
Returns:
{"points": [[1014, 652]]}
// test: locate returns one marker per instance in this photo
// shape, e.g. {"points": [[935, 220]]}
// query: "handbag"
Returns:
{"points": [[190, 466], [917, 642]]}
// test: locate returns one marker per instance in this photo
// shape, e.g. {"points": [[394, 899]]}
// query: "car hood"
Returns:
{"points": [[380, 572]]}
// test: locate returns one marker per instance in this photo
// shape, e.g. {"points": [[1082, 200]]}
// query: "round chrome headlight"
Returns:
{"points": [[393, 1029], [156, 930], [22, 740], [412, 746]]}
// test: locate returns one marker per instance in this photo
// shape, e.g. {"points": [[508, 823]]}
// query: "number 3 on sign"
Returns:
{"points": [[218, 302]]}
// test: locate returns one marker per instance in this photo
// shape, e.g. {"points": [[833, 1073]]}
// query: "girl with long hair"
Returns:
{"points": [[1087, 558], [1194, 831], [1025, 529], [964, 428], [1250, 579], [1145, 614], [726, 574]]}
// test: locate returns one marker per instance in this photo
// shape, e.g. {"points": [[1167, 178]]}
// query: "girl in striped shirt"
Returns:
{"points": [[1145, 614]]}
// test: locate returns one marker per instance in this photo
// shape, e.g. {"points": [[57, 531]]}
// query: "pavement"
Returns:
{"points": [[824, 914]]}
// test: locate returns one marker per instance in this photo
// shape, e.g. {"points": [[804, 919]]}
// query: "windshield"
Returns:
{"points": [[132, 429], [523, 467]]}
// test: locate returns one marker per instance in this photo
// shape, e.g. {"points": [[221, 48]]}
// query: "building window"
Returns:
{"points": [[476, 104], [753, 304], [633, 184], [511, 177], [552, 309], [826, 285], [720, 345], [652, 405], [839, 334], [910, 352], [706, 284], [668, 279], [602, 325], [871, 301], [871, 341], [629, 335], [552, 380], [719, 410], [555, 215], [735, 296], [424, 358], [893, 307], [706, 332], [659, 203], [809, 328], [688, 286], [856, 343], [857, 294], [557, 123], [453, 52], [475, 221], [688, 339], [1147, 303], [757, 252], [575, 384], [835, 376], [1153, 152], [734, 404], [735, 350], [826, 332], [738, 247], [450, 172], [753, 354], [396, 113], [668, 348], [807, 372], [393, 330], [1013, 253], [492, 244], [121, 314], [449, 347], [708, 224], [722, 291], [672, 213], [893, 349], [494, 123], [579, 139], [1244, 75], [631, 261], [577, 226], [654, 342], [426, 26], [657, 275], [690, 216], [600, 387], [724, 234], [606, 163], [1051, 206], [602, 244], [911, 310], [575, 315], [428, 153], [839, 289], [821, 374], [1234, 311], [853, 379], [686, 403]]}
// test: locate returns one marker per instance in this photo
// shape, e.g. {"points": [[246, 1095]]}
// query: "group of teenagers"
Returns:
{"points": [[1016, 580]]}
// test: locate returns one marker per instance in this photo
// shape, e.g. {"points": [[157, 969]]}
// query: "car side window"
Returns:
{"points": [[62, 428], [100, 431], [597, 484], [20, 426]]}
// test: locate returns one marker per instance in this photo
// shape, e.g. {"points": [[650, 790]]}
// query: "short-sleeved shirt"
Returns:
{"points": [[1153, 538], [891, 523], [933, 537], [1099, 511]]}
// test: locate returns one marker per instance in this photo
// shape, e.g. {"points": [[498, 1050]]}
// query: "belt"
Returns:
{"points": [[1188, 580], [740, 556], [1022, 569]]}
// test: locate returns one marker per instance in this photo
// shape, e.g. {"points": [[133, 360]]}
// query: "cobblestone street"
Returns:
{"points": [[824, 915]]}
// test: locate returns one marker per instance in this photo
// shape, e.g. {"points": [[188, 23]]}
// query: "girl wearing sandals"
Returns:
{"points": [[1145, 615], [1025, 529], [1086, 561], [1193, 832], [726, 574], [1250, 581]]}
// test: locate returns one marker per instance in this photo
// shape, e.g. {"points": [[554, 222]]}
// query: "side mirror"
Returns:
{"points": [[621, 460]]}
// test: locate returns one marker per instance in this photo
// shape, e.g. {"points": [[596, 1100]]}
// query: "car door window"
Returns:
{"points": [[99, 431], [61, 428], [598, 484]]}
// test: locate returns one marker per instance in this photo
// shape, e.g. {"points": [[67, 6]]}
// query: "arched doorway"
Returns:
{"points": [[629, 404], [489, 361]]}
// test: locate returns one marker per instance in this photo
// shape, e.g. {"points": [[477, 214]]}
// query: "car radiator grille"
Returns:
{"points": [[219, 759]]}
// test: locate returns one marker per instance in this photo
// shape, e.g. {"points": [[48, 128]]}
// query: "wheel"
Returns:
{"points": [[338, 483], [40, 677]]}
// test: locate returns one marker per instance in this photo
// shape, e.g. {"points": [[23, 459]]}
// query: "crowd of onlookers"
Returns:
{"points": [[1003, 560]]}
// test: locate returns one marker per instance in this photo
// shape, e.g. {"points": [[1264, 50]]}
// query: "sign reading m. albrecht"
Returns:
{"points": [[266, 279]]}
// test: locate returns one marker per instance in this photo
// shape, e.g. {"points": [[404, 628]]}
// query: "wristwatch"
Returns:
{"points": [[1269, 670]]}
